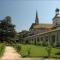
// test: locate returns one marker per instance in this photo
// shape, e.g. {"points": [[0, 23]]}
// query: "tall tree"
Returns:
{"points": [[7, 30]]}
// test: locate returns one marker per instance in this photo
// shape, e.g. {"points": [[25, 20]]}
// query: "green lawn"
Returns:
{"points": [[35, 51]]}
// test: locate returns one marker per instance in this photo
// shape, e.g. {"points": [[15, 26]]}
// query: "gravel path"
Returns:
{"points": [[10, 54]]}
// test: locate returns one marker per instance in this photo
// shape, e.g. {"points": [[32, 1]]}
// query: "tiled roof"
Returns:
{"points": [[42, 26]]}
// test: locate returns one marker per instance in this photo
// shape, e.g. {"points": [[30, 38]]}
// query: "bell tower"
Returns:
{"points": [[36, 19], [56, 19]]}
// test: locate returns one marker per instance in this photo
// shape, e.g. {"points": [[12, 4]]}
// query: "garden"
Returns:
{"points": [[37, 51]]}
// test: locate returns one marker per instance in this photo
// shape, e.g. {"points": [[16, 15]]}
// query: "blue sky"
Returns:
{"points": [[23, 11]]}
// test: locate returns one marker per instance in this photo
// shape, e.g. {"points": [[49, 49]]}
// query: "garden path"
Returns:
{"points": [[10, 54]]}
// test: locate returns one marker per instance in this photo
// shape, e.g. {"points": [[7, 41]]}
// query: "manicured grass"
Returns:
{"points": [[54, 51], [2, 48], [35, 51]]}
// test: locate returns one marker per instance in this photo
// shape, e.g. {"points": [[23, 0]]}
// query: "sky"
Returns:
{"points": [[23, 12]]}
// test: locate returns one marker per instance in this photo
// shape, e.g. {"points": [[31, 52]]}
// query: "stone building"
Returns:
{"points": [[45, 33]]}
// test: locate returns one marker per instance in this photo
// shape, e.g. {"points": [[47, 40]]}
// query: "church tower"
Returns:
{"points": [[56, 19], [36, 19]]}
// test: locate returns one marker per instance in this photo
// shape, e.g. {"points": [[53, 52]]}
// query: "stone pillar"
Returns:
{"points": [[56, 38], [59, 37], [48, 39], [39, 40]]}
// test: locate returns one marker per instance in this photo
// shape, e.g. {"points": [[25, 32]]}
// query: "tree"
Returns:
{"points": [[7, 30]]}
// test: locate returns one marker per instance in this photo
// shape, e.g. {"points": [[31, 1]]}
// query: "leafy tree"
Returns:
{"points": [[7, 30]]}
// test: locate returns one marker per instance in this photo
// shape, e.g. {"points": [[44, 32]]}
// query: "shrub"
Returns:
{"points": [[49, 48], [2, 48], [18, 48], [29, 49]]}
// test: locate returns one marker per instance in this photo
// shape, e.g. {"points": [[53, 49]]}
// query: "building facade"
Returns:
{"points": [[39, 27], [45, 33]]}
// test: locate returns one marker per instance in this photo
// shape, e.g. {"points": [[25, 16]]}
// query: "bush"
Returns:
{"points": [[18, 48], [2, 48], [29, 49]]}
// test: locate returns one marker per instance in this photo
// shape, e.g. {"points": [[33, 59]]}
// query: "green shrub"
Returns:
{"points": [[29, 49], [18, 48], [2, 48]]}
